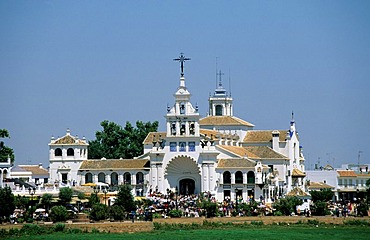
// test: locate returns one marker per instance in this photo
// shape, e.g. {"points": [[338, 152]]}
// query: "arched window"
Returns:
{"points": [[218, 110], [88, 178], [101, 177], [182, 108], [250, 177], [127, 178], [114, 178], [238, 177], [139, 178], [58, 152], [227, 177], [70, 152]]}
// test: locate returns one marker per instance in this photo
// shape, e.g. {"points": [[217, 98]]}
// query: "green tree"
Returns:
{"points": [[323, 195], [46, 200], [320, 199], [58, 214], [5, 151], [125, 198], [116, 212], [65, 195], [287, 205], [99, 212], [210, 208], [115, 142], [94, 199], [21, 202], [7, 204]]}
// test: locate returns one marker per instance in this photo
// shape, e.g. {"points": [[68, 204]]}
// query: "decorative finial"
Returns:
{"points": [[182, 59]]}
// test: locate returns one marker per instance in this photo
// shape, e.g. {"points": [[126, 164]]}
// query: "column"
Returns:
{"points": [[204, 178], [160, 177], [232, 177], [108, 179], [120, 178]]}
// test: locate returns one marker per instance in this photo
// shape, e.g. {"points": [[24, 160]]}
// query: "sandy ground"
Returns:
{"points": [[128, 226]]}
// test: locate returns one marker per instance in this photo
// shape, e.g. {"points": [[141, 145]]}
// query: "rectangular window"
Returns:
{"points": [[182, 146], [191, 146], [340, 182], [173, 147], [45, 180]]}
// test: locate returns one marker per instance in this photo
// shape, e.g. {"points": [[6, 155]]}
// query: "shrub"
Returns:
{"points": [[210, 208], [320, 208], [58, 214], [357, 222], [278, 213], [99, 212], [313, 222], [74, 230], [59, 227], [116, 212], [175, 213], [362, 209], [257, 223], [157, 215], [32, 229], [157, 226], [287, 205]]}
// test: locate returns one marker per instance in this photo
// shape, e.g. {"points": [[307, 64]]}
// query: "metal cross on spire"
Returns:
{"points": [[182, 59]]}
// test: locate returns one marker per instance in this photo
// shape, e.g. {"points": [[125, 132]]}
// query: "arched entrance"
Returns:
{"points": [[183, 172], [187, 186]]}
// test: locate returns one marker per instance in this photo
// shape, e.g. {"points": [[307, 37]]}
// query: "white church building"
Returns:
{"points": [[219, 154]]}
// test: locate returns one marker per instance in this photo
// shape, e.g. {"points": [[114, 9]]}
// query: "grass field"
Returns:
{"points": [[257, 232]]}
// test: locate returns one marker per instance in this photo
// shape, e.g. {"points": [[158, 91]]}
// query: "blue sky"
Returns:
{"points": [[73, 64]]}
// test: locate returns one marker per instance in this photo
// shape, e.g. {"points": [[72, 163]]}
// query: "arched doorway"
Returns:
{"points": [[187, 186], [183, 172]]}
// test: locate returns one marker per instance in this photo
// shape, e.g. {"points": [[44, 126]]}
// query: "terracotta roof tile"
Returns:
{"points": [[297, 192], [254, 136], [224, 121], [35, 169], [240, 151], [346, 173], [235, 163], [298, 173], [153, 136], [114, 164], [319, 185], [69, 140], [264, 152]]}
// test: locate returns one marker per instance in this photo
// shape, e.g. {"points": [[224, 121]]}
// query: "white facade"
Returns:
{"points": [[219, 154], [65, 156]]}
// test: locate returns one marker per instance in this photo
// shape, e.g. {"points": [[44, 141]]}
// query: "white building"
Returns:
{"points": [[220, 154]]}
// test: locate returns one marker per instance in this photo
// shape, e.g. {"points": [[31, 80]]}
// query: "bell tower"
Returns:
{"points": [[182, 118], [220, 104]]}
